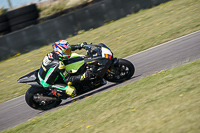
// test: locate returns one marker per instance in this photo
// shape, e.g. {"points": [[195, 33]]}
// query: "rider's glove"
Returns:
{"points": [[80, 46], [83, 44]]}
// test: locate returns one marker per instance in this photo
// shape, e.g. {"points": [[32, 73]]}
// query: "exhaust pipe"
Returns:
{"points": [[44, 98]]}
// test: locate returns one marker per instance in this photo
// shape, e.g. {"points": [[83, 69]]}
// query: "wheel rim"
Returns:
{"points": [[119, 73], [123, 71]]}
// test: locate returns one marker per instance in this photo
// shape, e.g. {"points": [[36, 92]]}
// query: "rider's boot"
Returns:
{"points": [[70, 90]]}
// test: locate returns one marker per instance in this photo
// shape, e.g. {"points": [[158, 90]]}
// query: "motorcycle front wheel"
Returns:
{"points": [[124, 70], [33, 92]]}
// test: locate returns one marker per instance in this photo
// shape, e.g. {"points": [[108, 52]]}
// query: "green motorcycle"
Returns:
{"points": [[99, 60]]}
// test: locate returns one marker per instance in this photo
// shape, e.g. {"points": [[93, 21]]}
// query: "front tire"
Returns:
{"points": [[120, 72], [33, 91]]}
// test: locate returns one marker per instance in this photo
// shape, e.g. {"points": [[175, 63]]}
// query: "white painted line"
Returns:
{"points": [[13, 99], [162, 44]]}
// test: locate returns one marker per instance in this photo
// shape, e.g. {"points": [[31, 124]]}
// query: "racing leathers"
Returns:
{"points": [[53, 69]]}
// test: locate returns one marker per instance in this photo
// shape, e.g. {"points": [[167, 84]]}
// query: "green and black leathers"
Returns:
{"points": [[54, 69]]}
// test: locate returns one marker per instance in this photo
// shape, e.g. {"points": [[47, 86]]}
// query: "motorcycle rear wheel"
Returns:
{"points": [[124, 70], [33, 91]]}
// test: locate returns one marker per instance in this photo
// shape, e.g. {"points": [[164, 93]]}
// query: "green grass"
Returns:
{"points": [[2, 10], [47, 8], [167, 101], [126, 36]]}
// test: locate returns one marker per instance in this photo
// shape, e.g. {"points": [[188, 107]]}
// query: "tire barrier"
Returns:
{"points": [[23, 25], [21, 11], [23, 17], [4, 24], [62, 27]]}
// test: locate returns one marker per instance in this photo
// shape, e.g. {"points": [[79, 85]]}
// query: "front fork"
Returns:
{"points": [[111, 70]]}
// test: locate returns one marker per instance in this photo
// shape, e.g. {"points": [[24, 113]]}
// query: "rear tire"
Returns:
{"points": [[36, 104], [120, 72]]}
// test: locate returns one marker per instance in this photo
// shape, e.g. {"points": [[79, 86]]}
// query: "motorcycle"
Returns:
{"points": [[99, 60]]}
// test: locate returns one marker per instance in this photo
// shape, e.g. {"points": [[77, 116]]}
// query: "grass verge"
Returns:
{"points": [[126, 36], [50, 7], [167, 101]]}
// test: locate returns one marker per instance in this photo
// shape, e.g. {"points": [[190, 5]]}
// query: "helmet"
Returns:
{"points": [[62, 49]]}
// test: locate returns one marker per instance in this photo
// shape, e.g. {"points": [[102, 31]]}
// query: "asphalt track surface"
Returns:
{"points": [[165, 56]]}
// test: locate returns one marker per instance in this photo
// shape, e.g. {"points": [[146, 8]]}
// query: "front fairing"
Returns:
{"points": [[74, 63], [100, 54]]}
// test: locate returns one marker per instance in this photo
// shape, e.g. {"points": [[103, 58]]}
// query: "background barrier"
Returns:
{"points": [[92, 16]]}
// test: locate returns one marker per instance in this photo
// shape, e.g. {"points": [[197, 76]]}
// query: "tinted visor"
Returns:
{"points": [[67, 51]]}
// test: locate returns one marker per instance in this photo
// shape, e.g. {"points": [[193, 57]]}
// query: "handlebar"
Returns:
{"points": [[91, 50]]}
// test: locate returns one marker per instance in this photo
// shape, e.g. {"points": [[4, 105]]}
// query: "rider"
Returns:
{"points": [[53, 69]]}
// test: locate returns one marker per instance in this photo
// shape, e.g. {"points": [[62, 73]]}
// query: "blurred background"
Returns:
{"points": [[17, 3], [166, 101]]}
